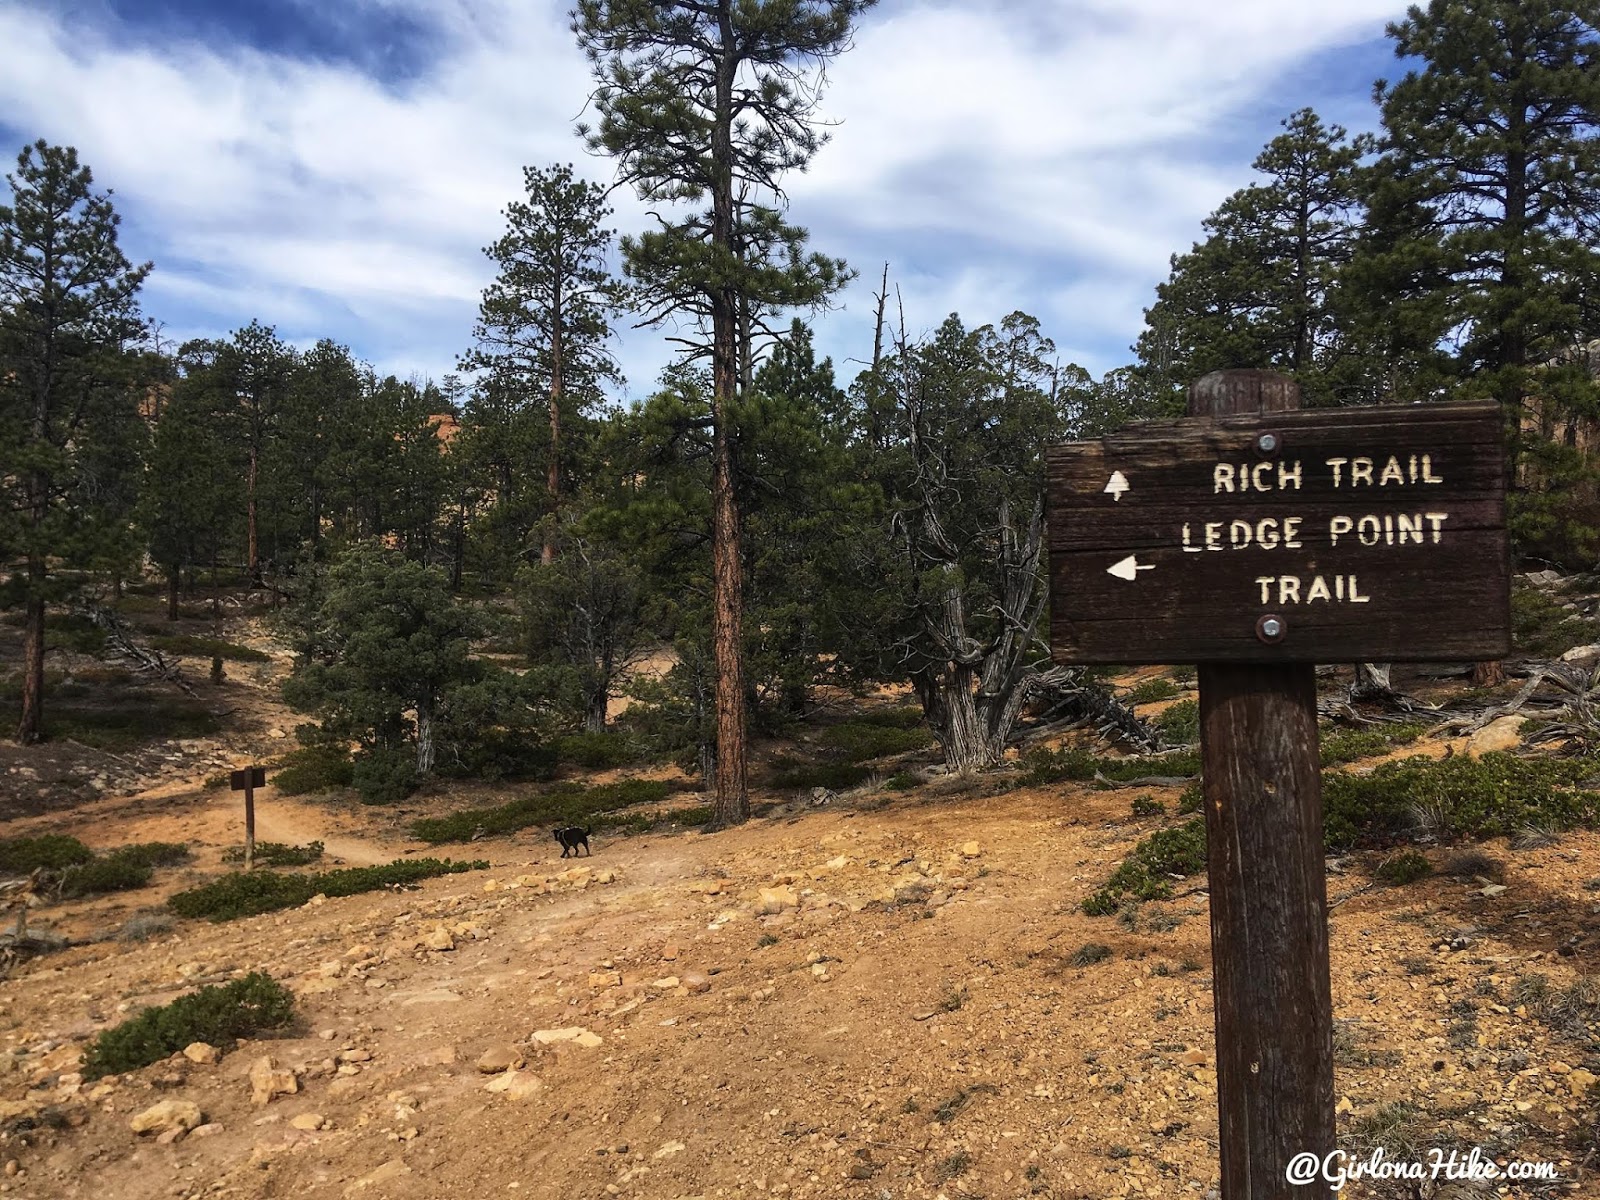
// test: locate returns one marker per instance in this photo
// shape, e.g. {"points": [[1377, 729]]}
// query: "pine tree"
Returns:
{"points": [[1487, 201], [1488, 186], [544, 322], [1259, 291], [188, 507], [956, 576], [68, 389], [709, 102]]}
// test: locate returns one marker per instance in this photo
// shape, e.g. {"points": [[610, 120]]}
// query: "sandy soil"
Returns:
{"points": [[895, 995]]}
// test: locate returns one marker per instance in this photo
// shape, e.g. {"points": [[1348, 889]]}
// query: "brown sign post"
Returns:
{"points": [[247, 780], [1257, 540]]}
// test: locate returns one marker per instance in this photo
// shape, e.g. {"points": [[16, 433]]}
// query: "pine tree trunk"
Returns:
{"points": [[30, 729], [553, 475], [425, 749], [252, 563], [174, 578], [1488, 674], [731, 804]]}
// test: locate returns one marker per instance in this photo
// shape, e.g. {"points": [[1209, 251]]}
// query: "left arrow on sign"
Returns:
{"points": [[1116, 485], [1129, 567]]}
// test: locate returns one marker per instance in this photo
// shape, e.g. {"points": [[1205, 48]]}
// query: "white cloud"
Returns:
{"points": [[981, 149]]}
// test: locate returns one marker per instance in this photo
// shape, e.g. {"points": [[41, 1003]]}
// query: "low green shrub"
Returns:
{"points": [[75, 632], [52, 851], [1089, 953], [862, 741], [133, 720], [385, 776], [152, 854], [1074, 764], [835, 776], [314, 769], [1146, 873], [493, 754], [215, 1015], [1191, 800], [1462, 797], [903, 781], [1179, 724], [276, 854], [1406, 867], [1148, 806], [122, 869], [206, 647], [596, 751], [102, 875], [1542, 628], [1347, 745], [1151, 689], [564, 804], [645, 822], [901, 716], [245, 894]]}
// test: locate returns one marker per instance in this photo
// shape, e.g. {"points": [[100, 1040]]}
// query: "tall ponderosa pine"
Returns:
{"points": [[68, 387], [1487, 192], [544, 322], [1258, 292], [709, 102], [247, 379], [1487, 200]]}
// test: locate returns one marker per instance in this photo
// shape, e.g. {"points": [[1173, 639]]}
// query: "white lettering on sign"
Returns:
{"points": [[1389, 529], [1418, 469], [1268, 533], [1286, 590], [1255, 477], [1415, 528]]}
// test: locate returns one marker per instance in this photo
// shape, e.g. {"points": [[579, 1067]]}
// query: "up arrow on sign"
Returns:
{"points": [[1129, 567], [1116, 485]]}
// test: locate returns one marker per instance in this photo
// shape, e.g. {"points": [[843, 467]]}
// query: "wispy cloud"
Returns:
{"points": [[339, 176]]}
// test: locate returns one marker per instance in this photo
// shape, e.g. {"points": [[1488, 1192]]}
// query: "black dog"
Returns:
{"points": [[571, 838]]}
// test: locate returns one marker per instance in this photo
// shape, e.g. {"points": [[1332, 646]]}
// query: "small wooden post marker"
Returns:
{"points": [[248, 780], [1257, 540]]}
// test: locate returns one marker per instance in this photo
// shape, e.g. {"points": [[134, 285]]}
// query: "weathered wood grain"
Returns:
{"points": [[1262, 790], [1269, 934]]}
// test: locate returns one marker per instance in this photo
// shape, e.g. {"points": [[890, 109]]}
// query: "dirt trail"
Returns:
{"points": [[850, 1002]]}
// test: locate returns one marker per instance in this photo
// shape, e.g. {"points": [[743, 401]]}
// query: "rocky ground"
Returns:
{"points": [[893, 995]]}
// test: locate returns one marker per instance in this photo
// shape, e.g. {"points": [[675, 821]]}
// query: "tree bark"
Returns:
{"points": [[553, 475], [1371, 682], [594, 720], [731, 805], [30, 729], [174, 577], [252, 562], [425, 747]]}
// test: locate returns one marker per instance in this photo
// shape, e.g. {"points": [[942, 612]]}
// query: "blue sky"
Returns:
{"points": [[335, 169]]}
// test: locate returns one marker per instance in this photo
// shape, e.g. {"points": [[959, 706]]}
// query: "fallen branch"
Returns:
{"points": [[145, 659]]}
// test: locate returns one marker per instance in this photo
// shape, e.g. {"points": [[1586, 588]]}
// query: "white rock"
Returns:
{"points": [[169, 1114]]}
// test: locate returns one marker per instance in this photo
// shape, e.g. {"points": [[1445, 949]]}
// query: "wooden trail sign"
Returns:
{"points": [[1256, 540], [1339, 535], [247, 780]]}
